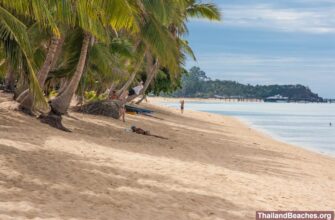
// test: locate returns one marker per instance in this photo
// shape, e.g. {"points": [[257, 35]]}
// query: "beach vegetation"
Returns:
{"points": [[53, 51], [196, 84]]}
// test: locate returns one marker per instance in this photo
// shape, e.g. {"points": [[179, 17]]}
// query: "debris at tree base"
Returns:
{"points": [[109, 108]]}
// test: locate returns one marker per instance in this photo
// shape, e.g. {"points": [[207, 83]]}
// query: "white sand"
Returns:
{"points": [[211, 167]]}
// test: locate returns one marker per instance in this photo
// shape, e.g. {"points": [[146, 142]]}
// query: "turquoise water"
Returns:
{"points": [[305, 125]]}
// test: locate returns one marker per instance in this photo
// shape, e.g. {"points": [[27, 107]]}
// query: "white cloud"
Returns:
{"points": [[312, 20], [306, 58]]}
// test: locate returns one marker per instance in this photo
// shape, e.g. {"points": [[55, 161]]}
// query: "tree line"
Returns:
{"points": [[52, 50]]}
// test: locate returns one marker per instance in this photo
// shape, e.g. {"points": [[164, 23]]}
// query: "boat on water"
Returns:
{"points": [[277, 98]]}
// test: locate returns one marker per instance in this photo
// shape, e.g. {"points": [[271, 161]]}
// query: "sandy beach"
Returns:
{"points": [[211, 167]]}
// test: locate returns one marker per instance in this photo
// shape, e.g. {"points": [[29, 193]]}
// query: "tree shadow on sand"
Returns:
{"points": [[50, 183], [102, 130], [62, 185]]}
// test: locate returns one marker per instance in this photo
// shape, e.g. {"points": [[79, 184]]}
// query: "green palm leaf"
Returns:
{"points": [[12, 29], [204, 10], [36, 9]]}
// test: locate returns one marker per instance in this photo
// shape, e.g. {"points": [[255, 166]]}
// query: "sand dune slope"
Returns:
{"points": [[211, 167]]}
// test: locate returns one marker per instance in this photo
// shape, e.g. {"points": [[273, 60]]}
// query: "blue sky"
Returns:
{"points": [[269, 42]]}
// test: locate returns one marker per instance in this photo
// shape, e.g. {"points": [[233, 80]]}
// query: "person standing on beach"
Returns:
{"points": [[122, 100], [182, 103]]}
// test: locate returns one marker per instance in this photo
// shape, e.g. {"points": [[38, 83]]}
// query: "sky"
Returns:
{"points": [[269, 42]]}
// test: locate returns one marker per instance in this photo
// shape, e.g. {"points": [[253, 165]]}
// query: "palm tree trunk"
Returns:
{"points": [[126, 85], [58, 52], [63, 85], [141, 100], [151, 73], [26, 99], [151, 76], [147, 83], [10, 80], [131, 78], [49, 61], [62, 102]]}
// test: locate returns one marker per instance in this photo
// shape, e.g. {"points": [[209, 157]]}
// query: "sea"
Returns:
{"points": [[308, 125]]}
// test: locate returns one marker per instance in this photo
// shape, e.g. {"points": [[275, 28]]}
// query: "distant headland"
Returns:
{"points": [[196, 84]]}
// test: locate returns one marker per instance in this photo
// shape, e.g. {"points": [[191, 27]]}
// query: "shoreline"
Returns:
{"points": [[218, 100], [169, 99], [210, 167], [269, 134]]}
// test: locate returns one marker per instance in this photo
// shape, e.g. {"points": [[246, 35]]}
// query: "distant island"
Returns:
{"points": [[196, 84]]}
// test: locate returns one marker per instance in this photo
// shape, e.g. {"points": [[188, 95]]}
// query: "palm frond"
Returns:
{"points": [[13, 29], [70, 55], [204, 10], [185, 47], [161, 43], [38, 9]]}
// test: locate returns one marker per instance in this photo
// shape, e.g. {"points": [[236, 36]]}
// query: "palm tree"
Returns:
{"points": [[92, 16], [95, 18], [91, 26], [14, 37], [26, 99], [131, 78], [61, 103], [160, 47], [177, 27]]}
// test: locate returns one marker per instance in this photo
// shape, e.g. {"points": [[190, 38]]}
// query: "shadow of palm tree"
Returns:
{"points": [[62, 185]]}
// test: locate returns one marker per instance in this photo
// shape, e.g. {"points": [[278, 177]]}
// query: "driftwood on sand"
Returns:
{"points": [[109, 108]]}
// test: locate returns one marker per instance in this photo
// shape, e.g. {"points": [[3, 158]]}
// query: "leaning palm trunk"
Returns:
{"points": [[150, 76], [26, 99], [10, 80], [63, 85], [126, 85], [141, 100], [131, 78], [61, 103], [58, 52], [147, 83]]}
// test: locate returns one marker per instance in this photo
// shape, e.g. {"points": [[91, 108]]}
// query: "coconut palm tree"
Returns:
{"points": [[14, 37], [95, 18], [160, 47], [61, 103], [108, 64], [176, 23], [154, 26], [92, 16], [25, 98]]}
